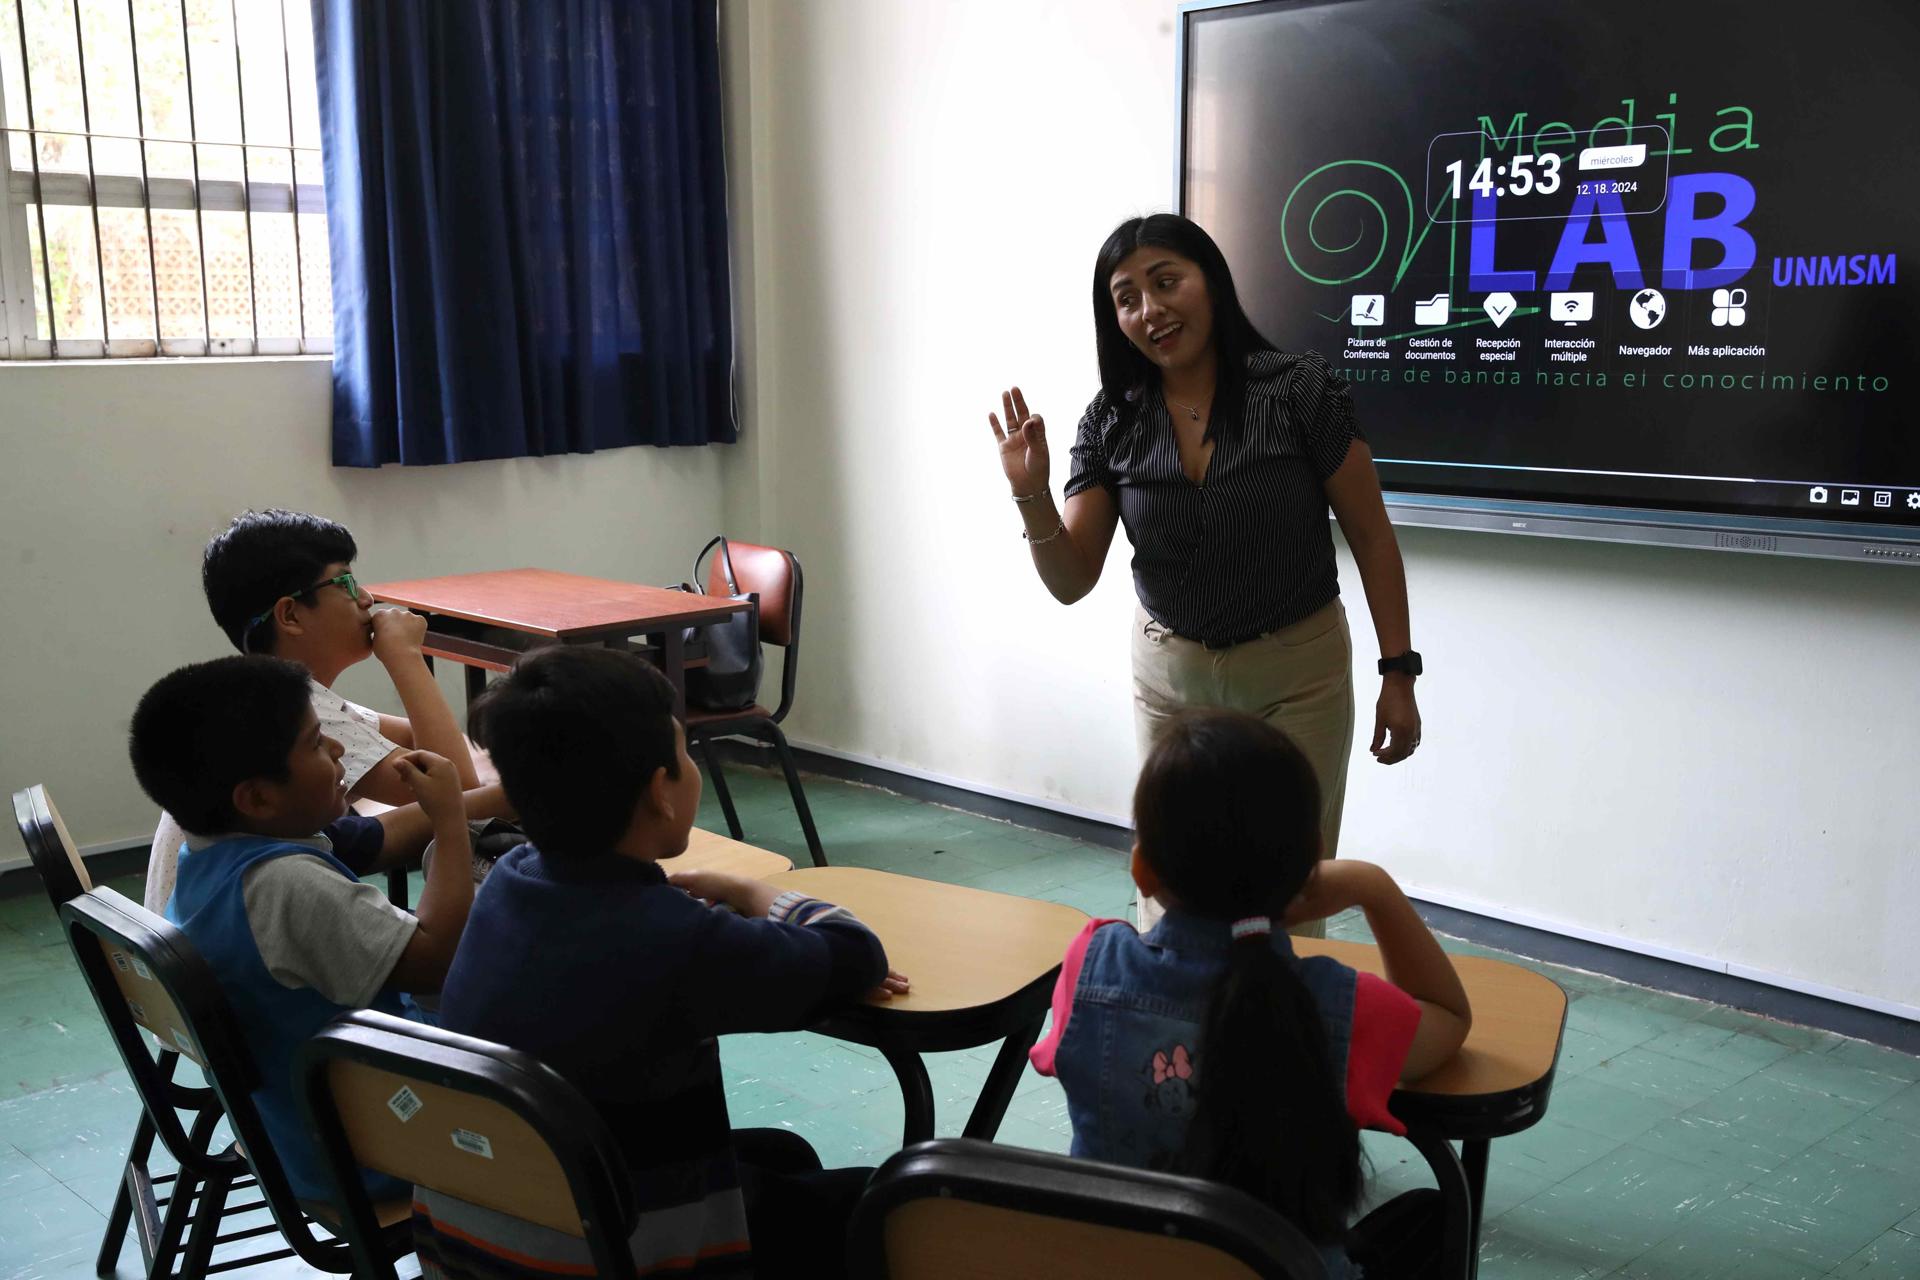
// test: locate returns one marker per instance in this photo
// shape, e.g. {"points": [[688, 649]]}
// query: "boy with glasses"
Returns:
{"points": [[281, 583]]}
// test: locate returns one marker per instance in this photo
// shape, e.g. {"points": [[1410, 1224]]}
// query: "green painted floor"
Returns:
{"points": [[1685, 1141]]}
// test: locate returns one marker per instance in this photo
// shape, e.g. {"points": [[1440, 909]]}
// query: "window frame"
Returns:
{"points": [[19, 187]]}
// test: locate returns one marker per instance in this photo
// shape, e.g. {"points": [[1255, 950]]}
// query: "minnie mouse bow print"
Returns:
{"points": [[1179, 1068], [1172, 1081]]}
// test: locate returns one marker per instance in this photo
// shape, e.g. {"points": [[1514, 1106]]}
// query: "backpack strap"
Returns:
{"points": [[726, 565]]}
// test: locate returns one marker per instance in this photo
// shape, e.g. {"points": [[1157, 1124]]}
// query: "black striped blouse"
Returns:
{"points": [[1250, 550]]}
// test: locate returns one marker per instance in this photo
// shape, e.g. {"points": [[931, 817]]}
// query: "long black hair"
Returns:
{"points": [[1227, 813], [1123, 369]]}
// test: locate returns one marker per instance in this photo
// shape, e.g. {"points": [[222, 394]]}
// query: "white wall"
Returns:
{"points": [[115, 474], [1696, 753]]}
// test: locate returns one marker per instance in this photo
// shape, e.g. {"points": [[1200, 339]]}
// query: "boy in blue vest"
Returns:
{"points": [[585, 952], [267, 888]]}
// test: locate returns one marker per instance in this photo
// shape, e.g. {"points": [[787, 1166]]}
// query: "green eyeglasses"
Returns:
{"points": [[344, 581]]}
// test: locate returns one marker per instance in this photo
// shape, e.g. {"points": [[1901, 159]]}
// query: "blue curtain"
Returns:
{"points": [[527, 207]]}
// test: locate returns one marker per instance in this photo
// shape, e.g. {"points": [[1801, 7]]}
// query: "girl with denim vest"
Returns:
{"points": [[1207, 1047]]}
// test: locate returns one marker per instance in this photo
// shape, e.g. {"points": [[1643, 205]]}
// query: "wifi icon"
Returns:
{"points": [[1571, 308]]}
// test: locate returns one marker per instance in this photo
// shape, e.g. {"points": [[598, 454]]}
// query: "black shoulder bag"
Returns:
{"points": [[731, 679]]}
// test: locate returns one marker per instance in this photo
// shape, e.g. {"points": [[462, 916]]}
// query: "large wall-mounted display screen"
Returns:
{"points": [[1634, 257]]}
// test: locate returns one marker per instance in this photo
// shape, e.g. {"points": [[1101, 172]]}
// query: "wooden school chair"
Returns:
{"points": [[474, 1122], [154, 1203], [959, 1209], [146, 977], [774, 575]]}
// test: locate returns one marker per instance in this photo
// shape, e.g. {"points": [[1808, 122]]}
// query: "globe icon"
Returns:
{"points": [[1648, 308]]}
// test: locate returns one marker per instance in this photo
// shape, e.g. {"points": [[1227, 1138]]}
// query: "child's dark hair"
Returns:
{"points": [[260, 557], [1227, 813], [577, 734], [1123, 369], [203, 730]]}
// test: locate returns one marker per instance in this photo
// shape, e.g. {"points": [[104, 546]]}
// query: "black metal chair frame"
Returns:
{"points": [[161, 1200], [765, 729], [208, 1179], [1107, 1195], [554, 1109]]}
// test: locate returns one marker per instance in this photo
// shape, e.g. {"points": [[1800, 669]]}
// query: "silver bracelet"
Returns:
{"points": [[1041, 542], [1019, 501]]}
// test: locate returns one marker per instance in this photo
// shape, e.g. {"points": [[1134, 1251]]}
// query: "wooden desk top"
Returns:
{"points": [[544, 602], [1517, 1016], [709, 852], [961, 948]]}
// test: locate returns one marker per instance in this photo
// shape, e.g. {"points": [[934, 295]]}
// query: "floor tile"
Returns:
{"points": [[1752, 1227], [1796, 1118], [1581, 1051], [1621, 1021], [1902, 1108], [1712, 1254], [55, 1062], [1715, 1046], [1875, 1141], [46, 1230], [1676, 1081], [1822, 1178], [1822, 1073], [1620, 1114], [18, 1174], [1894, 1256], [1716, 1145], [1786, 1033], [1878, 1058], [1552, 1150], [1618, 1207], [1518, 1251]]}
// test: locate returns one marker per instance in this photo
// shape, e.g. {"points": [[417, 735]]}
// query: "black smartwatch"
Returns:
{"points": [[1408, 662]]}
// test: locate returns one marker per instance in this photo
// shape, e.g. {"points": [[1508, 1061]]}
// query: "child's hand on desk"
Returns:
{"points": [[434, 783], [895, 985], [748, 897]]}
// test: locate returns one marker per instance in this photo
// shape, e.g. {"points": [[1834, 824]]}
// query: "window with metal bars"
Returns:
{"points": [[160, 186]]}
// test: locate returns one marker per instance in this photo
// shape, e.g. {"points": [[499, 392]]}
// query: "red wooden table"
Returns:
{"points": [[486, 621]]}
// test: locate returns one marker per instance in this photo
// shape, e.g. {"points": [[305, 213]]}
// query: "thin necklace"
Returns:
{"points": [[1191, 411]]}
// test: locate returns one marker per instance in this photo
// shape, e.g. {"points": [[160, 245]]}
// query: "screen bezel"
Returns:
{"points": [[1764, 535]]}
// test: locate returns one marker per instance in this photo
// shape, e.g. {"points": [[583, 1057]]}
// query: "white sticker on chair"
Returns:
{"points": [[406, 1104], [139, 1014], [185, 1042], [120, 961], [140, 968], [474, 1144]]}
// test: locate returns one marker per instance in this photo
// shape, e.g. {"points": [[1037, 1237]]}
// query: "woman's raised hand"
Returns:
{"points": [[1023, 445]]}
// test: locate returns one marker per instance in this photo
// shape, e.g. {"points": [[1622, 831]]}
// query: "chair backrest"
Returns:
{"points": [[473, 1121], [52, 850], [145, 975], [769, 572], [958, 1209], [775, 576]]}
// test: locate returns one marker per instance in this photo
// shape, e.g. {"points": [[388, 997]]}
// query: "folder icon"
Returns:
{"points": [[1432, 311]]}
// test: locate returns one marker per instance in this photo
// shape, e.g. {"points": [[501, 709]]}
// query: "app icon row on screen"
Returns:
{"points": [[1647, 308], [1820, 495]]}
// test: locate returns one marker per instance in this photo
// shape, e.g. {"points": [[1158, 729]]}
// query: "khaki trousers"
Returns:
{"points": [[1299, 678]]}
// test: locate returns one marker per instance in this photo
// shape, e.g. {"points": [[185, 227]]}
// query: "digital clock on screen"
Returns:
{"points": [[1554, 171]]}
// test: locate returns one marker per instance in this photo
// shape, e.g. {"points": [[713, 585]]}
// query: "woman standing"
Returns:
{"points": [[1221, 455]]}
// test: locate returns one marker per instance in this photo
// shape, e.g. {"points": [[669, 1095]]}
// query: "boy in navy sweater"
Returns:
{"points": [[584, 952]]}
